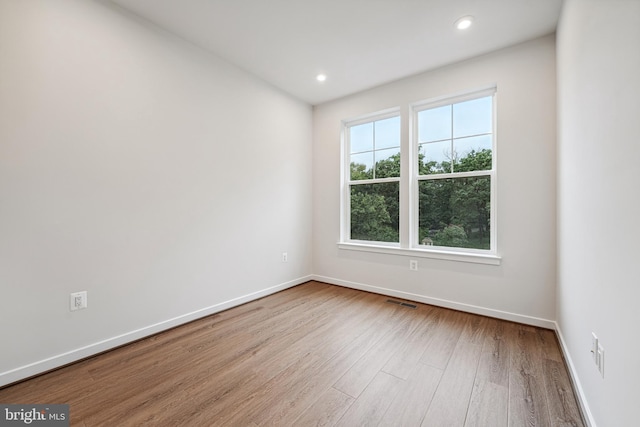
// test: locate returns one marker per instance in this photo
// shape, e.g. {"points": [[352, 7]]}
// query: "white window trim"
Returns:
{"points": [[345, 178], [441, 253], [412, 248]]}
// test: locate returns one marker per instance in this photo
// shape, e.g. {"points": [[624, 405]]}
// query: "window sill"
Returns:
{"points": [[472, 257]]}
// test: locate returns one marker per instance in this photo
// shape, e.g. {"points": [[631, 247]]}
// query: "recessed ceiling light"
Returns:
{"points": [[321, 77], [464, 22]]}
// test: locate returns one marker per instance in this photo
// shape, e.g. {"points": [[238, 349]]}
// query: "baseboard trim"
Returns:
{"points": [[573, 374], [504, 315], [42, 366]]}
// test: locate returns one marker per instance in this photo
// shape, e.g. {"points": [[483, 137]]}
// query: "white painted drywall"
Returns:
{"points": [[599, 200], [523, 286], [134, 166]]}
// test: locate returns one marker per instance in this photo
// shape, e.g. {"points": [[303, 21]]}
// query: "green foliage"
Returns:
{"points": [[368, 212], [428, 168], [374, 212], [388, 168], [452, 212], [452, 236], [474, 161], [462, 203], [359, 172]]}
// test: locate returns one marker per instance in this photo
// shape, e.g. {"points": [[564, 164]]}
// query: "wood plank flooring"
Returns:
{"points": [[321, 355]]}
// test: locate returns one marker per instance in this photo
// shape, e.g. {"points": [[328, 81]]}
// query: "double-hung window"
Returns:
{"points": [[453, 194], [373, 178], [443, 205]]}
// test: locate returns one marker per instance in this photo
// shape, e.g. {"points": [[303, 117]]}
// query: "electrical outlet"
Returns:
{"points": [[413, 264], [285, 257], [600, 358], [78, 301]]}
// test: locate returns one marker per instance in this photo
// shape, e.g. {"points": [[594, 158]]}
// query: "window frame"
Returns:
{"points": [[416, 178], [409, 185], [345, 209]]}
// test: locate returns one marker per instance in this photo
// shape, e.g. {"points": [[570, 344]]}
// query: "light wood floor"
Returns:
{"points": [[319, 354]]}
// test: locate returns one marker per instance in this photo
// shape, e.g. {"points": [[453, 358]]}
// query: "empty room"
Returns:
{"points": [[296, 213]]}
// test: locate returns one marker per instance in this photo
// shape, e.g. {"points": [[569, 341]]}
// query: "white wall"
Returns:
{"points": [[523, 286], [599, 203], [134, 166]]}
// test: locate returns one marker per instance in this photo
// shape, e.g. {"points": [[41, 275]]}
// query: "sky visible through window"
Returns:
{"points": [[453, 211], [458, 137], [375, 141], [451, 132], [445, 133]]}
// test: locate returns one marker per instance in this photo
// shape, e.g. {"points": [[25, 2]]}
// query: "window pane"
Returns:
{"points": [[388, 163], [375, 212], [472, 117], [455, 212], [434, 124], [472, 154], [362, 166], [387, 133], [361, 137], [434, 157]]}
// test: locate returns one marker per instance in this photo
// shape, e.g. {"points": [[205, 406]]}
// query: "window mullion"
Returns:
{"points": [[405, 178]]}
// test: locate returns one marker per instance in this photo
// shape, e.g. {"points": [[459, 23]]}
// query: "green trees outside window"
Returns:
{"points": [[450, 184], [375, 212], [453, 212], [375, 177]]}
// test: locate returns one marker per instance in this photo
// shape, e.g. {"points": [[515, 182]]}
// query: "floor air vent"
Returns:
{"points": [[404, 304]]}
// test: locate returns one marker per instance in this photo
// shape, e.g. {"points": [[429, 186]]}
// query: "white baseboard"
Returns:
{"points": [[577, 386], [60, 360], [504, 315]]}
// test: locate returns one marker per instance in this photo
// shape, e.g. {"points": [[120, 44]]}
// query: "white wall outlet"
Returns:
{"points": [[285, 257], [594, 347], [413, 264], [601, 360], [78, 301]]}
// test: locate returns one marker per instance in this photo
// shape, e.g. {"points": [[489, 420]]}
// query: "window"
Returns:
{"points": [[374, 179], [455, 172], [443, 206]]}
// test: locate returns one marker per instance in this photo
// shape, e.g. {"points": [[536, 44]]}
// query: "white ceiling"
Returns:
{"points": [[357, 43]]}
